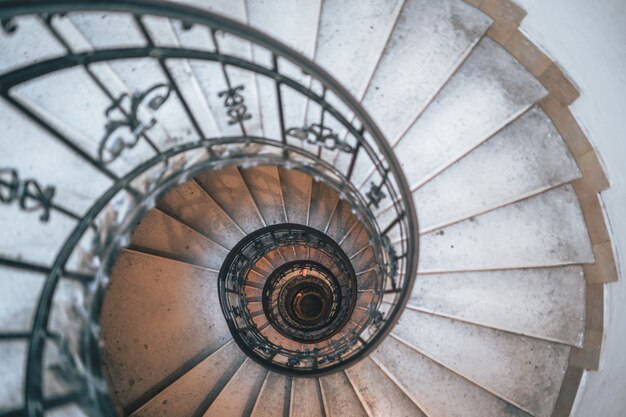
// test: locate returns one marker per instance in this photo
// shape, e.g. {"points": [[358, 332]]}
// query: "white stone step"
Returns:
{"points": [[545, 230], [29, 44], [352, 36], [521, 370], [306, 400], [75, 192], [198, 387], [428, 43], [160, 234], [150, 297], [379, 395], [546, 303], [339, 397], [17, 310], [239, 395], [13, 356], [488, 91], [263, 182], [273, 400], [229, 190], [297, 195], [439, 391], [525, 158], [26, 238], [298, 32], [190, 203]]}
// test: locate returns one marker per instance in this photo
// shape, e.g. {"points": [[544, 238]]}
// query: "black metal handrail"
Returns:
{"points": [[331, 148]]}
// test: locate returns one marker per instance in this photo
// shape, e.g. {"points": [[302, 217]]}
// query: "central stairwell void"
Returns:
{"points": [[198, 220]]}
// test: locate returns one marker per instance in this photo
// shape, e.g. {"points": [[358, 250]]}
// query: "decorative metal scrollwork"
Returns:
{"points": [[316, 134], [234, 103], [127, 125], [375, 194], [29, 193], [8, 25]]}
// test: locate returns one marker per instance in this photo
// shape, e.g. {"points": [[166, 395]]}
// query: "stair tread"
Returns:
{"points": [[546, 303], [141, 305], [545, 230], [379, 395], [305, 398], [263, 183], [451, 395], [18, 310], [428, 42], [238, 396], [526, 157], [191, 204], [489, 90], [182, 398], [341, 29], [524, 371], [297, 194], [274, 396], [323, 204], [339, 396], [229, 190], [161, 234]]}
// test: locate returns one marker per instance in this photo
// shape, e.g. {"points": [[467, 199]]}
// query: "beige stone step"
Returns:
{"points": [[229, 190], [296, 188], [273, 400], [263, 183], [323, 205], [160, 234], [239, 395], [158, 318], [190, 204], [198, 387]]}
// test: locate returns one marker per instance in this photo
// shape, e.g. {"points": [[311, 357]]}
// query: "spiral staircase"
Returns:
{"points": [[199, 220]]}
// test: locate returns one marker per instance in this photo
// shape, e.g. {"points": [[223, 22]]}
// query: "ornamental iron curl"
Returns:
{"points": [[131, 126], [234, 103], [29, 193], [319, 135]]}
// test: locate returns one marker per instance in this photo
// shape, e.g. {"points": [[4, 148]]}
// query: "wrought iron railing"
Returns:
{"points": [[144, 135]]}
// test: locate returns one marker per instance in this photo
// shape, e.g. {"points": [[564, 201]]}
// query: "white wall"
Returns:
{"points": [[588, 39]]}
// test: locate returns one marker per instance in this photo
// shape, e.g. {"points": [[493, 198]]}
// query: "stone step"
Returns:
{"points": [[344, 40], [306, 399], [546, 303], [197, 388], [523, 371], [378, 393], [438, 391], [429, 41], [160, 234], [323, 205], [296, 188], [263, 182], [545, 230], [273, 400], [150, 297], [229, 190], [489, 90], [339, 397], [190, 204], [239, 395], [525, 158]]}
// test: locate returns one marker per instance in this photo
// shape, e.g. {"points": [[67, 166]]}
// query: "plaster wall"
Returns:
{"points": [[588, 39]]}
